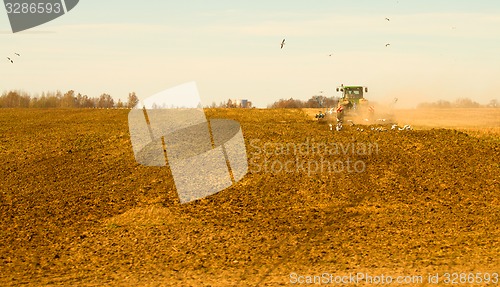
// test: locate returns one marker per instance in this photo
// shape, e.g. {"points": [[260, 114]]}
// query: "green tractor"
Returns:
{"points": [[353, 97], [352, 102]]}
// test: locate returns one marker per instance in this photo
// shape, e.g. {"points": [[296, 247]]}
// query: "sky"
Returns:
{"points": [[231, 48]]}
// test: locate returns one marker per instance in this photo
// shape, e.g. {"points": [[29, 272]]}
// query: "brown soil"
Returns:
{"points": [[76, 209]]}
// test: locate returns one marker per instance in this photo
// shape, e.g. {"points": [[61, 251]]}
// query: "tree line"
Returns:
{"points": [[313, 102], [70, 99], [321, 101], [19, 99], [459, 103]]}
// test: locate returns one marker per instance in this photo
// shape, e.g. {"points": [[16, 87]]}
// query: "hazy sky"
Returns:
{"points": [[438, 49]]}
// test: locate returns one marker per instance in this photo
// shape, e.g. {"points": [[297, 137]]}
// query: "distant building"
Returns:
{"points": [[241, 103]]}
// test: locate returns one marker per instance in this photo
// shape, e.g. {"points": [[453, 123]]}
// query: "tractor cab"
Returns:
{"points": [[352, 96]]}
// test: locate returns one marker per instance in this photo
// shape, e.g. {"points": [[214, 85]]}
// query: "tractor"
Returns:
{"points": [[352, 98], [352, 102]]}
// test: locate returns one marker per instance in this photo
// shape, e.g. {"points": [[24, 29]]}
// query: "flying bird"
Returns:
{"points": [[387, 44], [387, 19], [17, 54], [282, 43], [330, 55], [10, 59]]}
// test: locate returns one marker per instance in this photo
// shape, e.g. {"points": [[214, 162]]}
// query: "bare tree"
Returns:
{"points": [[105, 101], [132, 100], [68, 100], [119, 104]]}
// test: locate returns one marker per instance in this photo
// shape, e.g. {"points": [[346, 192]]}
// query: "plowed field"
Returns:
{"points": [[76, 209]]}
